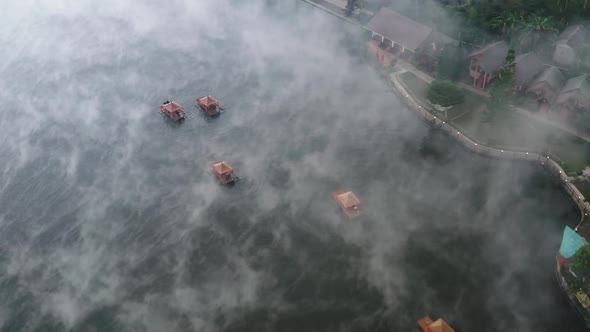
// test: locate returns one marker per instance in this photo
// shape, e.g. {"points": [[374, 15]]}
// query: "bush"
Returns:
{"points": [[392, 62], [444, 93]]}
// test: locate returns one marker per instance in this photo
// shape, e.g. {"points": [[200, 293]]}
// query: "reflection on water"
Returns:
{"points": [[112, 220]]}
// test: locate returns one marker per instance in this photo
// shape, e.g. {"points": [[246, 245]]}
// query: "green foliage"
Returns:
{"points": [[504, 90], [499, 107], [581, 268], [450, 63], [566, 10], [444, 93], [472, 13], [507, 23], [392, 62], [351, 5], [582, 261], [533, 29], [525, 23]]}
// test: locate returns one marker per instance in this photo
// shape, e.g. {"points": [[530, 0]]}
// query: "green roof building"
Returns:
{"points": [[570, 242]]}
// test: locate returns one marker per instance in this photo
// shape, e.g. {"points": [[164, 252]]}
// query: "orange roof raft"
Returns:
{"points": [[225, 173], [173, 110], [427, 325], [209, 104], [348, 202]]}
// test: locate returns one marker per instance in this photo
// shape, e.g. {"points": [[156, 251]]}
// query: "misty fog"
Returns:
{"points": [[111, 220]]}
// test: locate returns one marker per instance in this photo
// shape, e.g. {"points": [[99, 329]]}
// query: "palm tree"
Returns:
{"points": [[507, 22], [535, 27], [564, 5]]}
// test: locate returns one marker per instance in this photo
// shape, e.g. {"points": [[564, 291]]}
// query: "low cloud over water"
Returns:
{"points": [[111, 220]]}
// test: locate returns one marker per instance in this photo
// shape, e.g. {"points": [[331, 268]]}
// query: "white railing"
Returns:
{"points": [[475, 146]]}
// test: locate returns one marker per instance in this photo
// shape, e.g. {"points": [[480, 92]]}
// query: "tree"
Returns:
{"points": [[450, 63], [565, 10], [503, 93], [445, 93], [392, 63], [351, 5], [581, 268], [507, 23], [506, 17], [504, 89], [524, 29], [533, 28]]}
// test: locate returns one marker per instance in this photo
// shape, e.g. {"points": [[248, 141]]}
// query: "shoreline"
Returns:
{"points": [[545, 161]]}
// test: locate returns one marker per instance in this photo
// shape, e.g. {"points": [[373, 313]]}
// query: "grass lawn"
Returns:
{"points": [[472, 102], [569, 148], [417, 88], [518, 132]]}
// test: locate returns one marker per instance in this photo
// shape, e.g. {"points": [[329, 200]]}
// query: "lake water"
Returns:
{"points": [[110, 218]]}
